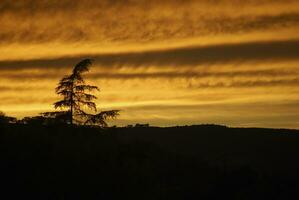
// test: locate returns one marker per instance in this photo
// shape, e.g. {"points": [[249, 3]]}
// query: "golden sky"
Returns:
{"points": [[170, 62]]}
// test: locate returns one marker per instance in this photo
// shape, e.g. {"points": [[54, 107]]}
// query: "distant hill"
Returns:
{"points": [[189, 162]]}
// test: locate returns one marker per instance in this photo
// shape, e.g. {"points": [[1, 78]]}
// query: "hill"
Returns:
{"points": [[190, 162]]}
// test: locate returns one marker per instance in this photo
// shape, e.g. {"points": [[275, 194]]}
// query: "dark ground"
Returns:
{"points": [[192, 162]]}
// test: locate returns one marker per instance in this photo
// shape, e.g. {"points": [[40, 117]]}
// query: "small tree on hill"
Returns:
{"points": [[77, 98]]}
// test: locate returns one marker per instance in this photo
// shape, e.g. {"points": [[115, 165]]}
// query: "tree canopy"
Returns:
{"points": [[77, 103]]}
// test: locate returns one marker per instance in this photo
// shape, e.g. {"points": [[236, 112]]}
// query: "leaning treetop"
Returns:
{"points": [[77, 98]]}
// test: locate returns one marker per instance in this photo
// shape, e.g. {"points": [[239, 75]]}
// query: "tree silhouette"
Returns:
{"points": [[6, 119], [77, 98]]}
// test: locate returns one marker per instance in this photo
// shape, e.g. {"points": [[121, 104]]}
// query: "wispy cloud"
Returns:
{"points": [[270, 73], [138, 21], [248, 84], [186, 56]]}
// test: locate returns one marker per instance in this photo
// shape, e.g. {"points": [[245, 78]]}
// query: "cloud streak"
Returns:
{"points": [[186, 56], [155, 75], [138, 21], [248, 84]]}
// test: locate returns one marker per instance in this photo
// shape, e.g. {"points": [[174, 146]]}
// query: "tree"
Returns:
{"points": [[77, 98]]}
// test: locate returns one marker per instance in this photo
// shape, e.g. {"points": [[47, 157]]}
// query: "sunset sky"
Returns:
{"points": [[163, 62]]}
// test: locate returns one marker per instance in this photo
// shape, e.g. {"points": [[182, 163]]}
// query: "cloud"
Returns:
{"points": [[13, 88], [186, 56], [114, 21], [194, 74], [271, 73], [247, 84], [226, 24]]}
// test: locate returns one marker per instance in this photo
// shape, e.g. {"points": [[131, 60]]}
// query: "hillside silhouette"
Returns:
{"points": [[189, 162]]}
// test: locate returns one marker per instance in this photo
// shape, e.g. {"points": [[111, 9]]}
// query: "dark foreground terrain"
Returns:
{"points": [[194, 162]]}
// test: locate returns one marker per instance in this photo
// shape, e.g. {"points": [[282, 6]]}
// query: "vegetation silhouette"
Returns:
{"points": [[6, 119], [191, 162], [77, 98]]}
